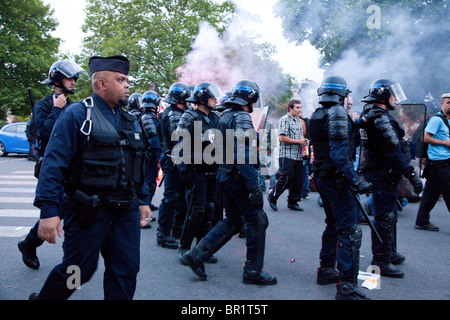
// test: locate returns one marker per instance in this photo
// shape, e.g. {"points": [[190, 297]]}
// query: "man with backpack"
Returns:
{"points": [[437, 169]]}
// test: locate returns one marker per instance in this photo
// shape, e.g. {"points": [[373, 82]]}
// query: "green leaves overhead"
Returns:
{"points": [[27, 46], [155, 35]]}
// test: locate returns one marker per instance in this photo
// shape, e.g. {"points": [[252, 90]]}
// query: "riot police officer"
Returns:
{"points": [[149, 122], [63, 75], [237, 176], [199, 177], [384, 165], [330, 129], [100, 142], [134, 104], [172, 210]]}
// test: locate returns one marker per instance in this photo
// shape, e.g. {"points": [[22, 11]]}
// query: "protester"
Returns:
{"points": [[437, 168]]}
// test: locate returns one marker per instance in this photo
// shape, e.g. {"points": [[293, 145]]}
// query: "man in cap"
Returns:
{"points": [[63, 75], [437, 170], [93, 156]]}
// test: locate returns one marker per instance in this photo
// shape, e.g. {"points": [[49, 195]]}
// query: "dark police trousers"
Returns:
{"points": [[172, 211], [115, 233], [385, 195], [237, 205], [340, 211]]}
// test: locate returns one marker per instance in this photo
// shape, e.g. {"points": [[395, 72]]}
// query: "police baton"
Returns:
{"points": [[188, 211], [372, 227], [31, 98]]}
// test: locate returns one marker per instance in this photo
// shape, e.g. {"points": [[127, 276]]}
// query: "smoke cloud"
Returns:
{"points": [[410, 53], [232, 56]]}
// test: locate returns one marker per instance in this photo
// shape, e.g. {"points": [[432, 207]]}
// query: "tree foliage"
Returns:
{"points": [[28, 50], [154, 34], [411, 40]]}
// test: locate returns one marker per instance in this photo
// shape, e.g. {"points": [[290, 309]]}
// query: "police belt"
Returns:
{"points": [[100, 200]]}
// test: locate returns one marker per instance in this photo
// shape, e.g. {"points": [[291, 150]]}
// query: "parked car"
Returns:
{"points": [[13, 139]]}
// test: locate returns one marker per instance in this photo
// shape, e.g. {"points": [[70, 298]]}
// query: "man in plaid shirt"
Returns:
{"points": [[291, 160]]}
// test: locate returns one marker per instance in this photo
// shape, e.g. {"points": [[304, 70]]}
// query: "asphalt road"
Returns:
{"points": [[292, 250]]}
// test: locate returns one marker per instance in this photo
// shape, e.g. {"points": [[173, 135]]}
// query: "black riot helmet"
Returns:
{"points": [[178, 93], [134, 104], [333, 90], [67, 69], [244, 93], [205, 90], [151, 100], [382, 89]]}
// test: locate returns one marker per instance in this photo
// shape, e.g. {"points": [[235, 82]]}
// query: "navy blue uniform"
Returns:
{"points": [[198, 221], [45, 115], [173, 206], [150, 125], [113, 231], [333, 177], [238, 183], [384, 164]]}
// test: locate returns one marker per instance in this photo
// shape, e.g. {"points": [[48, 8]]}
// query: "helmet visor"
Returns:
{"points": [[72, 70], [215, 92], [398, 93]]}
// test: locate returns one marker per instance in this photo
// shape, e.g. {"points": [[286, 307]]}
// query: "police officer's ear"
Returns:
{"points": [[99, 81]]}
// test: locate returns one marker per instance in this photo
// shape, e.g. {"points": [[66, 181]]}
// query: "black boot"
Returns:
{"points": [[387, 269], [348, 291], [29, 256], [181, 253], [254, 275], [194, 259], [397, 258], [166, 241], [383, 259], [327, 275]]}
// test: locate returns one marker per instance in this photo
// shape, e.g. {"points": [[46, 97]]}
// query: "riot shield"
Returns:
{"points": [[413, 120]]}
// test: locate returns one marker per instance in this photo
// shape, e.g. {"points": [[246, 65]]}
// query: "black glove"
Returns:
{"points": [[415, 182], [256, 198], [362, 187]]}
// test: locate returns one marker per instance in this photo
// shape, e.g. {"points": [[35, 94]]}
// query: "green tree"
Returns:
{"points": [[154, 34], [28, 50], [410, 42]]}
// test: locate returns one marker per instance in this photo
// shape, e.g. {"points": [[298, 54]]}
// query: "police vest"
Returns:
{"points": [[235, 118], [112, 161], [188, 122], [319, 136]]}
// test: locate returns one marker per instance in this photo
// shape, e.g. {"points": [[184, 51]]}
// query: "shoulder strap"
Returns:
{"points": [[440, 115], [86, 127]]}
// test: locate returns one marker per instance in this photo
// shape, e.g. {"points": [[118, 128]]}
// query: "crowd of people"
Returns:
{"points": [[99, 160]]}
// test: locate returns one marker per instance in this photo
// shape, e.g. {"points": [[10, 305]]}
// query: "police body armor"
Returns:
{"points": [[325, 123], [172, 116], [382, 125], [112, 162], [233, 118], [187, 122], [149, 124]]}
